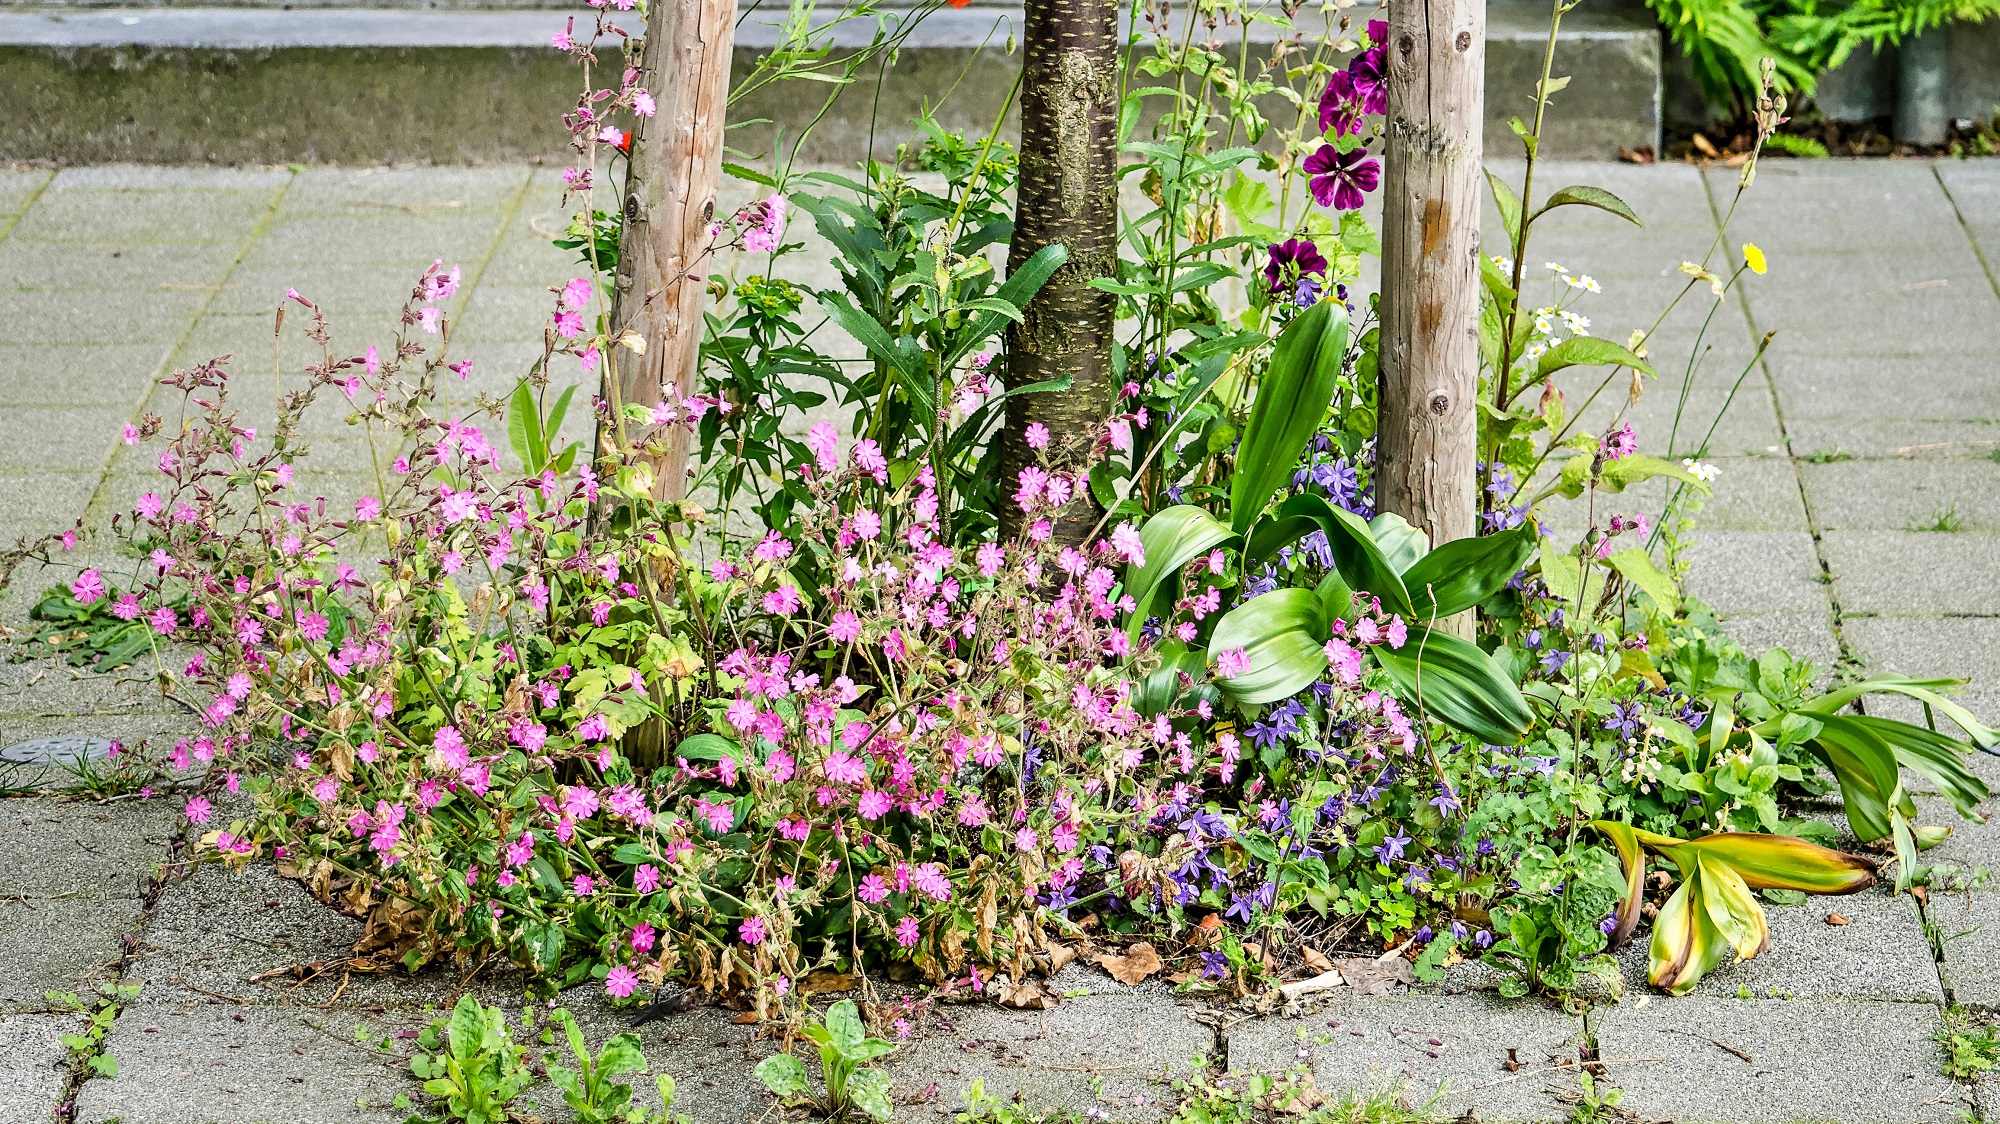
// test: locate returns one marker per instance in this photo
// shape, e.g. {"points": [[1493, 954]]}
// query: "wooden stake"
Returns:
{"points": [[669, 205], [1426, 448]]}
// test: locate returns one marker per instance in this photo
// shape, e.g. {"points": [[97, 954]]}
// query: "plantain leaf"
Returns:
{"points": [[1457, 684], [1291, 400], [1282, 633], [1464, 572]]}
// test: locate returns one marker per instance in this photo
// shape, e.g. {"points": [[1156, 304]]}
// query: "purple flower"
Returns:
{"points": [[1626, 718], [1340, 178], [1553, 661], [1340, 105], [1369, 71], [1214, 965], [1391, 848], [1299, 254]]}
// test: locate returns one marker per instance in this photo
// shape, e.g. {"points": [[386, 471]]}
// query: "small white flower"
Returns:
{"points": [[1555, 268], [1544, 325], [1576, 323], [1590, 284], [1534, 351], [1700, 471], [1505, 265]]}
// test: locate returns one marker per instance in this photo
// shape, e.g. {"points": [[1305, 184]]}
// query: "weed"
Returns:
{"points": [[1826, 456], [86, 1050], [471, 1063], [1946, 521], [589, 1089], [1793, 145], [1594, 1105], [1970, 1047], [844, 1045]]}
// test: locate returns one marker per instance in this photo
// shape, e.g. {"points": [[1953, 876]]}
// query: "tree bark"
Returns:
{"points": [[1427, 435], [670, 186], [1068, 193]]}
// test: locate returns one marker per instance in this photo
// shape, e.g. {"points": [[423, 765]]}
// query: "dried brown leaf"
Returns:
{"points": [[1139, 962]]}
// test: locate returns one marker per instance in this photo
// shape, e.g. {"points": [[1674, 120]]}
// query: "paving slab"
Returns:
{"points": [[35, 1073], [1968, 929], [1880, 954], [1914, 573], [1904, 494], [64, 945], [1756, 572], [1371, 1043], [214, 932], [216, 1063], [1853, 1061], [68, 848]]}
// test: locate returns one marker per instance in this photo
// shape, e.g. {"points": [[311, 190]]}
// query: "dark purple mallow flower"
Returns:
{"points": [[1339, 178]]}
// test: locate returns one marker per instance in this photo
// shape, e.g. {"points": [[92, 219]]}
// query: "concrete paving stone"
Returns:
{"points": [[112, 317], [1870, 274], [59, 438], [392, 237], [1966, 925], [28, 265], [221, 1064], [64, 945], [1734, 426], [1367, 1044], [418, 191], [171, 217], [1970, 845], [1752, 494], [1756, 571], [1913, 572], [38, 503], [149, 177], [77, 849], [338, 288], [210, 933], [1881, 954], [1899, 495], [1855, 1061], [506, 315], [131, 729], [1957, 387], [1840, 204], [1964, 312], [48, 686], [1893, 437], [17, 187], [1807, 636], [77, 375], [37, 1070]]}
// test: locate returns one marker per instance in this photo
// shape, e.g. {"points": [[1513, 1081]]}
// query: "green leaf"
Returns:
{"points": [[1509, 206], [784, 1075], [708, 747], [1355, 554], [1283, 633], [1589, 197], [622, 1054], [1401, 544], [843, 1025], [1589, 351], [1171, 539], [523, 424], [1457, 684], [1291, 400], [1638, 568], [1464, 572], [1618, 475], [869, 1090], [1577, 583]]}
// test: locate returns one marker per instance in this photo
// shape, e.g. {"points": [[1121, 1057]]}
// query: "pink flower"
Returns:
{"points": [[752, 930], [1125, 540], [620, 982], [642, 104], [198, 809], [1621, 442], [312, 626], [824, 442], [583, 886], [576, 294], [646, 878], [842, 769], [846, 627], [906, 932], [872, 889], [164, 620], [451, 744], [88, 588], [1346, 660], [1231, 662], [874, 804], [1037, 435], [642, 938]]}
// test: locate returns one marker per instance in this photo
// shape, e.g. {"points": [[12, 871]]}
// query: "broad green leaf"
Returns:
{"points": [[1291, 399], [1171, 539], [1568, 577], [1283, 634], [1638, 568], [1589, 197], [1401, 544], [1624, 472], [1589, 351], [1359, 559], [1464, 572], [1733, 908], [708, 747], [1509, 206], [784, 1075], [1457, 684], [1932, 755], [1926, 691], [869, 1090], [1865, 766], [523, 426], [622, 1054], [843, 1025]]}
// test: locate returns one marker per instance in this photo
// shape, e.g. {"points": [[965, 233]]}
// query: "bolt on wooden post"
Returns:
{"points": [[1427, 435]]}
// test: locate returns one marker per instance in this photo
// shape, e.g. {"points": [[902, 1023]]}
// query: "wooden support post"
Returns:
{"points": [[1426, 447], [669, 204]]}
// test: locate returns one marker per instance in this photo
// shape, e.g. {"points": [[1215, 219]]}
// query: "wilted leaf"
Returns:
{"points": [[1375, 977], [1139, 962], [1028, 995]]}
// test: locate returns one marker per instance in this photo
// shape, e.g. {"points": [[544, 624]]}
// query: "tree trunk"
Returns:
{"points": [[1068, 193], [669, 203], [1426, 447]]}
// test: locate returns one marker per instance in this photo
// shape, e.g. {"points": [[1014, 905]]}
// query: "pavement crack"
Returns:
{"points": [[1958, 212]]}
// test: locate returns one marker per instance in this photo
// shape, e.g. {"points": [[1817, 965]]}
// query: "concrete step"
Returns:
{"points": [[352, 85]]}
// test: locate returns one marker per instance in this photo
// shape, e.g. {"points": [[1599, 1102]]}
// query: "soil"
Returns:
{"points": [[1731, 143]]}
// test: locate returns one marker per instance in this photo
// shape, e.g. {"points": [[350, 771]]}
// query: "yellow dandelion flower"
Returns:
{"points": [[1754, 258]]}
